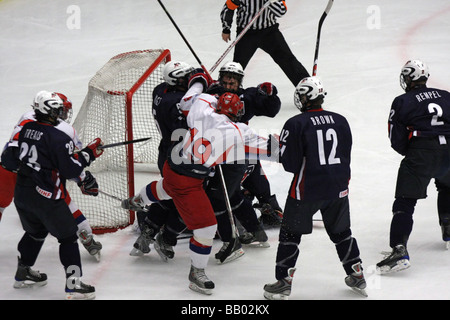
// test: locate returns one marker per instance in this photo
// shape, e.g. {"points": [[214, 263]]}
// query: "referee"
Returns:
{"points": [[263, 34]]}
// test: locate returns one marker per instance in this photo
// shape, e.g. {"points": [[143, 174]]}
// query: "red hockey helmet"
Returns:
{"points": [[67, 110], [230, 105]]}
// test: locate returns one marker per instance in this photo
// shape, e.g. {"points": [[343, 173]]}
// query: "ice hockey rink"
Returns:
{"points": [[59, 45]]}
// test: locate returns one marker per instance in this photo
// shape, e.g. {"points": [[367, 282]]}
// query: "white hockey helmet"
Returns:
{"points": [[413, 70], [176, 73], [309, 93], [45, 102], [233, 69]]}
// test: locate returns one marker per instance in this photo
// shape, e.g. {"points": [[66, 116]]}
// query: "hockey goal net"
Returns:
{"points": [[118, 107]]}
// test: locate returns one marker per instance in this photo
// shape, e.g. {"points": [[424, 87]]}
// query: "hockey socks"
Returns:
{"points": [[154, 192]]}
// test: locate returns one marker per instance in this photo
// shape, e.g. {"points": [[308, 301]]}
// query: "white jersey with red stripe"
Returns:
{"points": [[30, 116], [213, 138]]}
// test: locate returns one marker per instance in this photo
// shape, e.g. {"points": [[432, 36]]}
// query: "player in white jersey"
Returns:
{"points": [[213, 138]]}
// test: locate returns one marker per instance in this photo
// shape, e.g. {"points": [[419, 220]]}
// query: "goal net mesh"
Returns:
{"points": [[117, 108]]}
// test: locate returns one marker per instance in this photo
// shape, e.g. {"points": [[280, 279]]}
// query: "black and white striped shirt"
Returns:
{"points": [[246, 10]]}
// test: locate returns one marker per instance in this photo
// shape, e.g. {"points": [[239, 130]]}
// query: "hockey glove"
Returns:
{"points": [[267, 89], [91, 152], [199, 75], [89, 185]]}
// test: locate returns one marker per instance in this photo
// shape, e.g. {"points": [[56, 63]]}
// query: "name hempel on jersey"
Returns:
{"points": [[33, 134], [322, 119], [428, 95]]}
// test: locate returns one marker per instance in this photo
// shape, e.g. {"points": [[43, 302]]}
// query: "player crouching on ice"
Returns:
{"points": [[213, 138]]}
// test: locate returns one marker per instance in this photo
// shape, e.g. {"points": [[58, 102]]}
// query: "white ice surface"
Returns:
{"points": [[363, 46]]}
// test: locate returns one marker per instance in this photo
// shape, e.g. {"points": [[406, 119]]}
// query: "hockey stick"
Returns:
{"points": [[109, 195], [319, 29], [233, 240], [241, 34], [122, 143], [182, 36]]}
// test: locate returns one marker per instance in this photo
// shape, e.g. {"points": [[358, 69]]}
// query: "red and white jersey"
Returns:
{"points": [[213, 138], [30, 116]]}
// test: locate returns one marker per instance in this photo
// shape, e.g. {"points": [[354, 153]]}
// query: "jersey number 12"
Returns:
{"points": [[330, 135]]}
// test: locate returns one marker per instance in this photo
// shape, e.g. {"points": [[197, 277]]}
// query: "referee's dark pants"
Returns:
{"points": [[271, 41]]}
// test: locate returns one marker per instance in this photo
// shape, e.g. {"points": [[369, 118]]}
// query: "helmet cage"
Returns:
{"points": [[233, 70], [230, 105], [67, 112]]}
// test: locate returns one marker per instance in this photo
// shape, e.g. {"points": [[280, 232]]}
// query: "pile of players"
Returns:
{"points": [[212, 171]]}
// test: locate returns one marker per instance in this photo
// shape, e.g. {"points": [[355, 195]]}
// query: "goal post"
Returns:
{"points": [[118, 107]]}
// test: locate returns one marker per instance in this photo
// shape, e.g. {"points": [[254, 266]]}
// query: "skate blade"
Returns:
{"points": [[80, 296], [28, 284], [401, 265], [258, 245], [447, 245], [196, 288], [97, 256], [234, 256], [162, 255], [276, 296], [136, 253], [360, 291]]}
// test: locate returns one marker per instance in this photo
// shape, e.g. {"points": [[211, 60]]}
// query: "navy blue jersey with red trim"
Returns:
{"points": [[258, 104], [423, 112], [50, 153], [167, 116], [316, 147]]}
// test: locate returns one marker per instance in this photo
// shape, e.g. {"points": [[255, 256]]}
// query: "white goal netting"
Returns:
{"points": [[118, 107]]}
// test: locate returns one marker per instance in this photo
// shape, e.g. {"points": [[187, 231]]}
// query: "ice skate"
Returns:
{"points": [[257, 238], [199, 281], [356, 280], [397, 260], [142, 244], [27, 278], [164, 250], [280, 290], [92, 246], [227, 254], [78, 290]]}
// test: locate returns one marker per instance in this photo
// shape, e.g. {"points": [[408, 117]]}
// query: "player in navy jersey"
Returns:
{"points": [[47, 160], [419, 129], [316, 147]]}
